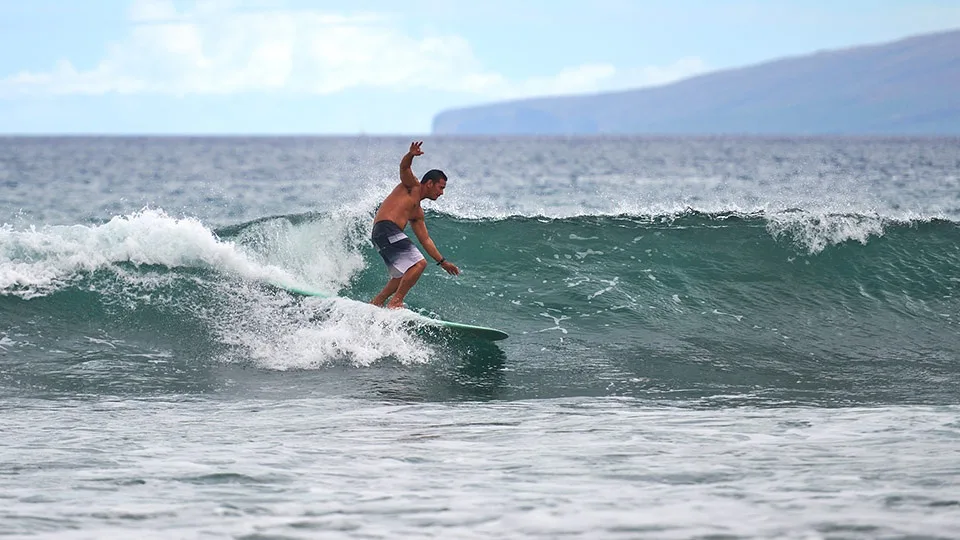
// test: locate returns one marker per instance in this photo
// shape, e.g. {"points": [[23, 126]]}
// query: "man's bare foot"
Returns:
{"points": [[396, 305]]}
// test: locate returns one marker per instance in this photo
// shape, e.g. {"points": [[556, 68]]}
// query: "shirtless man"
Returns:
{"points": [[404, 261]]}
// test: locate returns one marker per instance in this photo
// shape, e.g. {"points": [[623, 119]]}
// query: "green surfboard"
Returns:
{"points": [[482, 332]]}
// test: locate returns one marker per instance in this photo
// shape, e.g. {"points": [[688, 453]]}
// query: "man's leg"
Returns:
{"points": [[389, 289], [408, 280]]}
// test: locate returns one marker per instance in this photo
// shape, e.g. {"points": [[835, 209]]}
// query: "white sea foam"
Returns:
{"points": [[42, 259], [810, 230], [321, 254], [35, 261], [815, 233], [276, 331], [268, 326]]}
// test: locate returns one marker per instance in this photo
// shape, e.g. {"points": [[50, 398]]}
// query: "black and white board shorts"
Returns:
{"points": [[395, 247]]}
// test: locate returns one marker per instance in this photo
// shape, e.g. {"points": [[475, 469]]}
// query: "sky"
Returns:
{"points": [[386, 66]]}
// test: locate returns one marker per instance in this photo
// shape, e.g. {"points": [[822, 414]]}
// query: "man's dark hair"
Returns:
{"points": [[433, 175]]}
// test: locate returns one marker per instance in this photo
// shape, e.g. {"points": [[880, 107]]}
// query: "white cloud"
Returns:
{"points": [[582, 79], [152, 11], [585, 78], [657, 75], [222, 47]]}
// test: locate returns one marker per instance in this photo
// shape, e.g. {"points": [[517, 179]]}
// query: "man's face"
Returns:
{"points": [[435, 189]]}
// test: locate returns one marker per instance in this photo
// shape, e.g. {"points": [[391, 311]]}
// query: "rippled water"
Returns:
{"points": [[723, 337], [307, 467]]}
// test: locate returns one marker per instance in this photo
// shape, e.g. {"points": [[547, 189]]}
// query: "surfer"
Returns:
{"points": [[404, 261]]}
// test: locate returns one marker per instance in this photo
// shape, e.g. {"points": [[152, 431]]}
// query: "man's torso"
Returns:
{"points": [[401, 206]]}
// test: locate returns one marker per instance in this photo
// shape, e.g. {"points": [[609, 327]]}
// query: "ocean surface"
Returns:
{"points": [[709, 338]]}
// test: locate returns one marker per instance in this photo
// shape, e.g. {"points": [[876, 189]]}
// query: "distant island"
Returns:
{"points": [[906, 87]]}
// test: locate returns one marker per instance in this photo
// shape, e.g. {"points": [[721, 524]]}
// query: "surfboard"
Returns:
{"points": [[482, 332]]}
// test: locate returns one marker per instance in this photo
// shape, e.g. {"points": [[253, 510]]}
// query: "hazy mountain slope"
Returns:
{"points": [[910, 86]]}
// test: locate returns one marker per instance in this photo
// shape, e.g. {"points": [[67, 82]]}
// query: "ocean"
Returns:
{"points": [[717, 337]]}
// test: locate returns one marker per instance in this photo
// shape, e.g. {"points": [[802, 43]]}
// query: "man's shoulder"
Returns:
{"points": [[403, 191], [407, 189]]}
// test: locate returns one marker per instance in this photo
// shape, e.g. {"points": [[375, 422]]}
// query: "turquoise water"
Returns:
{"points": [[725, 336]]}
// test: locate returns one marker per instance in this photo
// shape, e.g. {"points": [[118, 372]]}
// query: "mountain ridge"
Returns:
{"points": [[910, 86]]}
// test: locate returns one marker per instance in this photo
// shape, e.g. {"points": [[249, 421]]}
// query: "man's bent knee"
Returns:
{"points": [[417, 267]]}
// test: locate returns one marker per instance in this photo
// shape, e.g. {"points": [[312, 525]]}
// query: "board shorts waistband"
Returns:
{"points": [[385, 233]]}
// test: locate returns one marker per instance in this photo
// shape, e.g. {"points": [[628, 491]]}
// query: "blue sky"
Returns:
{"points": [[386, 67]]}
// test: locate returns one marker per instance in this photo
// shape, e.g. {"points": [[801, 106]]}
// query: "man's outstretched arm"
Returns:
{"points": [[420, 229], [407, 178]]}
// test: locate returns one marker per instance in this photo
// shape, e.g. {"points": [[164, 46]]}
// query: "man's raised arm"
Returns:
{"points": [[407, 178]]}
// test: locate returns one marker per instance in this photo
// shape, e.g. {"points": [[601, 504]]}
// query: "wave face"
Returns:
{"points": [[784, 307]]}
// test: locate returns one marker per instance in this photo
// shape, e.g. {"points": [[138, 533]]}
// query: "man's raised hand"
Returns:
{"points": [[415, 148]]}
